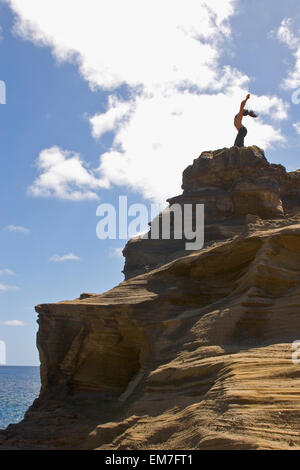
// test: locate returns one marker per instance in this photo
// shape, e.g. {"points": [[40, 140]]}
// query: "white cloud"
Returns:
{"points": [[67, 257], [286, 35], [7, 271], [137, 42], [64, 175], [14, 323], [5, 287], [296, 125], [17, 228], [270, 105], [118, 252], [112, 118], [181, 100]]}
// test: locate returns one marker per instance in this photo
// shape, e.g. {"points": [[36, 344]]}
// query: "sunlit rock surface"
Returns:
{"points": [[195, 353]]}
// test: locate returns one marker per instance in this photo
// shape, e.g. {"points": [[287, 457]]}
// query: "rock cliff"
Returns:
{"points": [[194, 349], [231, 183]]}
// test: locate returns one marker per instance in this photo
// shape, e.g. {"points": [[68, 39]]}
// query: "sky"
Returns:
{"points": [[116, 98]]}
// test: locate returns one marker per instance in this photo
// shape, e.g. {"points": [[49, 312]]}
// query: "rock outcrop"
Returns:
{"points": [[195, 352], [231, 183]]}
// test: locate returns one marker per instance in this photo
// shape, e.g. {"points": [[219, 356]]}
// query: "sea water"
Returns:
{"points": [[19, 386]]}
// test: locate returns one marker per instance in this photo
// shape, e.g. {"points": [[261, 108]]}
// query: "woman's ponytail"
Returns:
{"points": [[250, 113]]}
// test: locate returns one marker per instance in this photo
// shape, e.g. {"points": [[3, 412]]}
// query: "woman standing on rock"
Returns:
{"points": [[242, 131]]}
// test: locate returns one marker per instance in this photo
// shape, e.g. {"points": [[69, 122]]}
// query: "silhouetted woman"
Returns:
{"points": [[242, 131]]}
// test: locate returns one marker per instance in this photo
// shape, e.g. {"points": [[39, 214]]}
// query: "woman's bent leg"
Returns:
{"points": [[239, 141]]}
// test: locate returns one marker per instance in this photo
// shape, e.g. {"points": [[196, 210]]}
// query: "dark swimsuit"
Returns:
{"points": [[239, 141]]}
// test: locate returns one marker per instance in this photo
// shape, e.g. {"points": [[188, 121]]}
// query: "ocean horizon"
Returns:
{"points": [[19, 386]]}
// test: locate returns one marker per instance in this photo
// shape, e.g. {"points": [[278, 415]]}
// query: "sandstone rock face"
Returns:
{"points": [[231, 183], [195, 354]]}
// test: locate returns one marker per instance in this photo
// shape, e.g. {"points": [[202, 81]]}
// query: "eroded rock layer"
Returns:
{"points": [[195, 354]]}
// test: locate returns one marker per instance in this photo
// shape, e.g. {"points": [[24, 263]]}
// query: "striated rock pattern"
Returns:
{"points": [[195, 354]]}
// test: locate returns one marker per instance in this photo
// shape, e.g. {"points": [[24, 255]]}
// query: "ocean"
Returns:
{"points": [[19, 386]]}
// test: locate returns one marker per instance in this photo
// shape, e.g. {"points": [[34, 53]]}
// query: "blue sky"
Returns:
{"points": [[125, 105]]}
